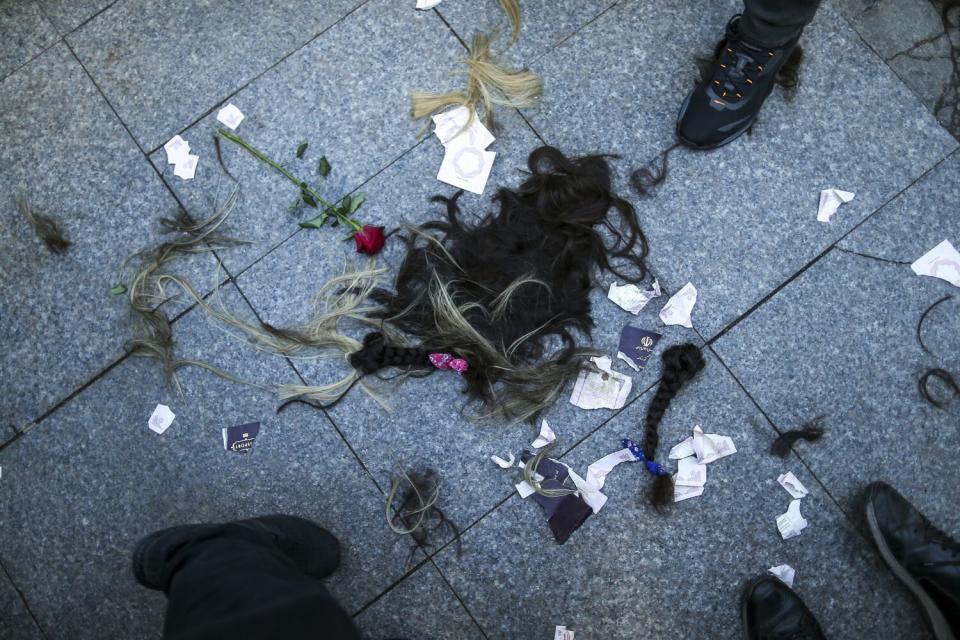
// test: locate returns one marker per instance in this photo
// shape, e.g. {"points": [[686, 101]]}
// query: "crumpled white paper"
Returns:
{"points": [[466, 163], [161, 419], [793, 486], [597, 472], [681, 492], [680, 306], [791, 523], [427, 4], [830, 201], [710, 446], [503, 464], [607, 389], [942, 262], [562, 633], [690, 473], [231, 116], [785, 572], [177, 150], [546, 435], [631, 298], [187, 167]]}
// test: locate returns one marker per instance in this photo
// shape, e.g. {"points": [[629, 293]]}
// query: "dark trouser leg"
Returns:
{"points": [[231, 583], [773, 23]]}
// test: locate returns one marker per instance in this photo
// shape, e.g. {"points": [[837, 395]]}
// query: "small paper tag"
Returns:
{"points": [[161, 418], [636, 346], [240, 438]]}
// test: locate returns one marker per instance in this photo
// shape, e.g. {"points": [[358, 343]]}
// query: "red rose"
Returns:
{"points": [[370, 239]]}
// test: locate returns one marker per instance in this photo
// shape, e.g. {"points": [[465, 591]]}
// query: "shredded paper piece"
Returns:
{"points": [[177, 150], [240, 438], [793, 486], [710, 446], [680, 306], [466, 163], [681, 492], [546, 436], [231, 116], [427, 4], [600, 387], [597, 472], [562, 633], [187, 167], [785, 572], [942, 262], [830, 201], [683, 449], [631, 298], [690, 473], [503, 464], [791, 523], [161, 419]]}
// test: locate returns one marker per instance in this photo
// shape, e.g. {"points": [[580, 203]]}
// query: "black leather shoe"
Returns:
{"points": [[772, 611], [726, 102], [921, 556], [312, 548]]}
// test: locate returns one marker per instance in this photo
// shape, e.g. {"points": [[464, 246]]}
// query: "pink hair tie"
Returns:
{"points": [[444, 361]]}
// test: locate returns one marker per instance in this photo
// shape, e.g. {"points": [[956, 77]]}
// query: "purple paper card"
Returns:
{"points": [[636, 346], [240, 438]]}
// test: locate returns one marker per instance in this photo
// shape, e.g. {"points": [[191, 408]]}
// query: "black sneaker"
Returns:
{"points": [[312, 548], [772, 611], [921, 556], [725, 104]]}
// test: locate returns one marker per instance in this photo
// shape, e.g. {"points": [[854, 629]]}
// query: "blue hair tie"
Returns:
{"points": [[653, 467]]}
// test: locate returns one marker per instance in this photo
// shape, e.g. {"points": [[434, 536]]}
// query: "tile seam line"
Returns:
{"points": [[23, 599], [769, 295], [872, 50], [253, 79], [456, 594], [17, 69], [852, 523], [323, 412]]}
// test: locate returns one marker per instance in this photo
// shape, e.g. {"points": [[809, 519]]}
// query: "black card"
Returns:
{"points": [[240, 438], [636, 346]]}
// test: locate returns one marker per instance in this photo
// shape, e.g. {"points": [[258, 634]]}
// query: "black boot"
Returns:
{"points": [[310, 547], [921, 556], [726, 102], [772, 611]]}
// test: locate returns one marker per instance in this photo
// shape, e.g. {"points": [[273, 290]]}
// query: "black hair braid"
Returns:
{"points": [[680, 364], [377, 354]]}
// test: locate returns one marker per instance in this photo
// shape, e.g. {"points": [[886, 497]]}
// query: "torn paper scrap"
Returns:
{"points": [[793, 486], [562, 633], [683, 449], [690, 473], [709, 447], [631, 298], [636, 346], [598, 471], [785, 572], [427, 4], [830, 201], [187, 167], [546, 436], [525, 489], [451, 128], [791, 523], [942, 262], [161, 418], [230, 115], [177, 149], [466, 168], [503, 464], [681, 492], [600, 387], [680, 306], [589, 493]]}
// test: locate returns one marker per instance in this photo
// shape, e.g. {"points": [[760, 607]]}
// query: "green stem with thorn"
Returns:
{"points": [[259, 155]]}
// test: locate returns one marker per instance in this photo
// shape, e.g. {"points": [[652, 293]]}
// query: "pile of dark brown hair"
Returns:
{"points": [[510, 294]]}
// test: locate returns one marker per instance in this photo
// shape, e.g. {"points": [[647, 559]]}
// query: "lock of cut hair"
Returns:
{"points": [[680, 364]]}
